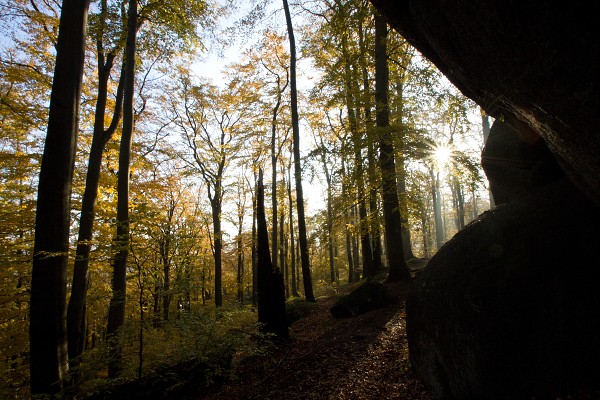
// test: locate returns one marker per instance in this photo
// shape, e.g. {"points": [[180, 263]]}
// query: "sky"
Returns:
{"points": [[213, 63]]}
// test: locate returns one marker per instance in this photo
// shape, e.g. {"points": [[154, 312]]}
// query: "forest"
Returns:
{"points": [[133, 137]]}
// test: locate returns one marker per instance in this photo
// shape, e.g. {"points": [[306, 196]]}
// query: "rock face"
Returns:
{"points": [[535, 63], [515, 167], [509, 308]]}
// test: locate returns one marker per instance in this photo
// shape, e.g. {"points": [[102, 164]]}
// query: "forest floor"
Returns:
{"points": [[364, 357]]}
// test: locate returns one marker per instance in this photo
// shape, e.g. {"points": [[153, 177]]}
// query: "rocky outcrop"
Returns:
{"points": [[515, 167], [509, 308], [535, 64]]}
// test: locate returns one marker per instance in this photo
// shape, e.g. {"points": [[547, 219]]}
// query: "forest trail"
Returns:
{"points": [[364, 357]]}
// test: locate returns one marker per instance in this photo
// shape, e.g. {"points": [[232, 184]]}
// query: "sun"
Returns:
{"points": [[441, 155]]}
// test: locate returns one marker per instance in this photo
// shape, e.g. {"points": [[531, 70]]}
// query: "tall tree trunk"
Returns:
{"points": [[474, 201], [284, 258], [437, 208], [401, 178], [459, 202], [399, 143], [271, 293], [165, 255], [254, 241], [292, 239], [274, 245], [218, 245], [76, 318], [47, 329], [240, 261], [274, 156], [332, 274], [355, 249], [391, 206], [116, 310], [347, 228], [281, 252], [304, 254], [374, 226], [367, 255]]}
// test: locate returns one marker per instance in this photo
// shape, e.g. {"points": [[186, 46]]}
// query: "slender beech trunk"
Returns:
{"points": [[116, 310], [355, 249], [458, 199], [274, 156], [401, 170], [367, 255], [304, 254], [282, 264], [347, 226], [474, 201], [165, 255], [240, 260], [399, 143], [254, 254], [374, 226], [218, 244], [332, 274], [292, 239], [274, 245], [76, 312], [437, 207], [47, 329], [391, 206]]}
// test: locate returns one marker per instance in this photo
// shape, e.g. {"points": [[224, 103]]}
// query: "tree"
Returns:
{"points": [[391, 206], [116, 310], [271, 291], [76, 320], [48, 336], [209, 121], [304, 254]]}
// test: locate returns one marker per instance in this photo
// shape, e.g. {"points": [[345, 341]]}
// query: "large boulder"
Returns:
{"points": [[515, 167], [535, 64], [510, 307]]}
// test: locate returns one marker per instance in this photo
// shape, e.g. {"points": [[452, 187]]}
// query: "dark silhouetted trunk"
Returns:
{"points": [[48, 327], [302, 235], [391, 206], [76, 318], [116, 310], [271, 292]]}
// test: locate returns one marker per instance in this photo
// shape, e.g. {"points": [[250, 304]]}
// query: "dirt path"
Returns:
{"points": [[364, 357]]}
